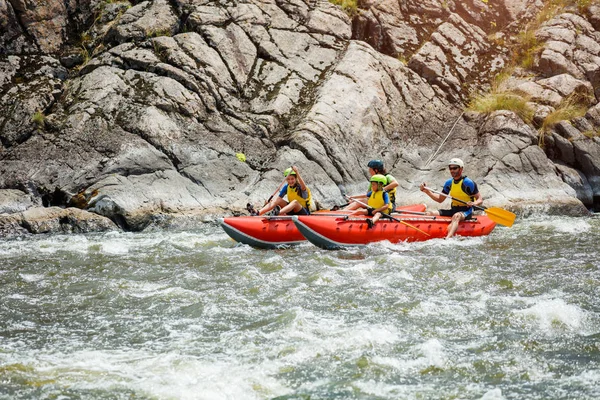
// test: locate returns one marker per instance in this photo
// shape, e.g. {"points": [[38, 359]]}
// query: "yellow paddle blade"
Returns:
{"points": [[501, 216]]}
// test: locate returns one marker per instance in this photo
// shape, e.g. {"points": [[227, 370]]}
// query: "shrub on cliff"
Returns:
{"points": [[349, 6], [494, 101]]}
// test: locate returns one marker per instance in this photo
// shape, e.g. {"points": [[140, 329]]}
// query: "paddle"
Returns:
{"points": [[390, 217], [410, 212], [277, 191], [250, 206], [496, 214]]}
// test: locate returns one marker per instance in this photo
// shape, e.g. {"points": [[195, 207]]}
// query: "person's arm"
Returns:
{"points": [[472, 189], [271, 205], [393, 184], [434, 196], [300, 180], [478, 200]]}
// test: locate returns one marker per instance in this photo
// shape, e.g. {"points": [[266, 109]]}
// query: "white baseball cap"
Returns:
{"points": [[457, 161]]}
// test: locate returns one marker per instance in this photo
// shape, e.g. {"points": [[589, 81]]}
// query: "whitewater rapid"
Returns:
{"points": [[193, 315]]}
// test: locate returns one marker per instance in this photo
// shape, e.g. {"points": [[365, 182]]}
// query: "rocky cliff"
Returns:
{"points": [[131, 113]]}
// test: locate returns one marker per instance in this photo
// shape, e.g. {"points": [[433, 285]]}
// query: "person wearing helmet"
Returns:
{"points": [[376, 167], [460, 187], [378, 200], [298, 195]]}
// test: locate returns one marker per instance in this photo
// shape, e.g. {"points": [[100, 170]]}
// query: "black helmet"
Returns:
{"points": [[375, 164]]}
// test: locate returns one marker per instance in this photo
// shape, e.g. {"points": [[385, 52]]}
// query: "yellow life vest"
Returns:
{"points": [[391, 193], [376, 201], [293, 193], [457, 192]]}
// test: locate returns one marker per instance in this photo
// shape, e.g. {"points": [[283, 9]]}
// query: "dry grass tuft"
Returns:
{"points": [[494, 101], [592, 133], [38, 118], [349, 6], [570, 108]]}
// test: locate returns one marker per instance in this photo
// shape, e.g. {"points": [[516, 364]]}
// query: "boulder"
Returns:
{"points": [[566, 85], [14, 201], [578, 181], [45, 24], [61, 220], [539, 94], [144, 20]]}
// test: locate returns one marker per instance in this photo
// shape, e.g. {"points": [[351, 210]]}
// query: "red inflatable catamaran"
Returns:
{"points": [[340, 232], [268, 232]]}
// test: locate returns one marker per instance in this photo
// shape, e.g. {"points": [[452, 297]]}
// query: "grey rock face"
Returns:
{"points": [[60, 220], [14, 201], [161, 96], [53, 220]]}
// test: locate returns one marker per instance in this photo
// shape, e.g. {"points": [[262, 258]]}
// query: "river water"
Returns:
{"points": [[192, 315]]}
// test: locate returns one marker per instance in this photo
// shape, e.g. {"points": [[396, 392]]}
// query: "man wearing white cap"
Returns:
{"points": [[460, 187]]}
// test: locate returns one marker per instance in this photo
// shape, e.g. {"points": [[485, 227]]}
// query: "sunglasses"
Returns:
{"points": [[453, 168]]}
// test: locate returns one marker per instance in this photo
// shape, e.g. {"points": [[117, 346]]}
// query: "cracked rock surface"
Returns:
{"points": [[134, 111]]}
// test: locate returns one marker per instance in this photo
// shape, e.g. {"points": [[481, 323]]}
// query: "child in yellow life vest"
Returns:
{"points": [[298, 195], [378, 200], [376, 168]]}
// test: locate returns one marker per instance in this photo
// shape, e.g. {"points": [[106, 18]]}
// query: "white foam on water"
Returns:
{"points": [[359, 267], [385, 390], [462, 277], [452, 243], [589, 379], [401, 260], [109, 243], [404, 274], [162, 375], [572, 225], [313, 335], [17, 296], [494, 394], [427, 354], [115, 247], [386, 246], [31, 277], [447, 309], [143, 290], [555, 314], [432, 352]]}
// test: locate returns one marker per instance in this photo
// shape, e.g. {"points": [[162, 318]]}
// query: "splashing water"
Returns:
{"points": [[193, 315]]}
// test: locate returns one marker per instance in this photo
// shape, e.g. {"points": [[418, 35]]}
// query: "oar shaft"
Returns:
{"points": [[410, 212], [392, 218], [498, 215], [278, 189], [358, 201], [454, 198]]}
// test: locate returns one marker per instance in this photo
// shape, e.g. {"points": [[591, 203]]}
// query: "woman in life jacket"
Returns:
{"points": [[378, 200], [298, 195], [376, 168]]}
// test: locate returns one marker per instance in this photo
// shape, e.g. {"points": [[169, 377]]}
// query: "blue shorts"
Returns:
{"points": [[466, 210], [304, 211]]}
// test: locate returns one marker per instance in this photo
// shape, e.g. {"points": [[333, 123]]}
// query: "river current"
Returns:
{"points": [[193, 315]]}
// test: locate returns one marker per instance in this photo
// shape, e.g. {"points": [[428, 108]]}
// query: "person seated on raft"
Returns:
{"points": [[376, 168], [460, 187], [378, 201], [298, 195]]}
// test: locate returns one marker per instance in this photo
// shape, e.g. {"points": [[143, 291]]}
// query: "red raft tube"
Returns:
{"points": [[335, 233], [267, 232]]}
